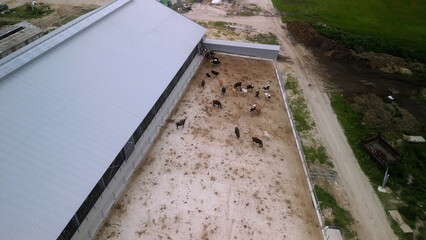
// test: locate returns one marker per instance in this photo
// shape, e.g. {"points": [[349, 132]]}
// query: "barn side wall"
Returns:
{"points": [[98, 213], [264, 51]]}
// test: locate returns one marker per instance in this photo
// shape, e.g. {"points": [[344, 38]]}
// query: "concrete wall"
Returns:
{"points": [[12, 43], [242, 48], [96, 216]]}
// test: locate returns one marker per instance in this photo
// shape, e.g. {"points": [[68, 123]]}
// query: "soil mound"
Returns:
{"points": [[305, 33], [372, 77]]}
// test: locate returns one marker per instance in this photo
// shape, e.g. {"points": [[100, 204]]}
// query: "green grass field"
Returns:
{"points": [[388, 24]]}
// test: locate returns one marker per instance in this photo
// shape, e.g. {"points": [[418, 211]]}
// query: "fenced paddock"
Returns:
{"points": [[202, 182]]}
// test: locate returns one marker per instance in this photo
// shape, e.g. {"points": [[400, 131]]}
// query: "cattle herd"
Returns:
{"points": [[237, 87]]}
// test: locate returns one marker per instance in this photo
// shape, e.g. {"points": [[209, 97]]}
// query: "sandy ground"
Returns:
{"points": [[355, 188], [201, 182]]}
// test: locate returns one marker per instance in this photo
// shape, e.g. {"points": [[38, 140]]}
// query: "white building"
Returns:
{"points": [[79, 108]]}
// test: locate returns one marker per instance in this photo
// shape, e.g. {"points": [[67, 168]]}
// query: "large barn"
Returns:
{"points": [[79, 108]]}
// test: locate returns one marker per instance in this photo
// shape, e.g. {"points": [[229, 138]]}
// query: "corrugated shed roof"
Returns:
{"points": [[66, 115]]}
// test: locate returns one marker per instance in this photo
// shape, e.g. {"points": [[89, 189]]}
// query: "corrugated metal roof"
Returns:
{"points": [[66, 115]]}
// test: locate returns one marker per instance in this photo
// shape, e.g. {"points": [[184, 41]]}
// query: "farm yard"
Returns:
{"points": [[358, 85], [205, 157], [199, 181]]}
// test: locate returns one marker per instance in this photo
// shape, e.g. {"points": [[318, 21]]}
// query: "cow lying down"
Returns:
{"points": [[257, 141]]}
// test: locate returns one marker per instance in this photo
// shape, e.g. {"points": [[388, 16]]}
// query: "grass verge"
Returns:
{"points": [[313, 151], [317, 154], [407, 179], [264, 38], [26, 12], [341, 218], [219, 28], [299, 108]]}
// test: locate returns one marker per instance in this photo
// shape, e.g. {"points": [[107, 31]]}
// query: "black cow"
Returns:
{"points": [[237, 85], [209, 54], [256, 94], [223, 90], [250, 86], [237, 132], [214, 73], [203, 83], [217, 103], [257, 141], [208, 75], [180, 123], [266, 88], [215, 61]]}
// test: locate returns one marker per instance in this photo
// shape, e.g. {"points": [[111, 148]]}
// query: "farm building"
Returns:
{"points": [[79, 108]]}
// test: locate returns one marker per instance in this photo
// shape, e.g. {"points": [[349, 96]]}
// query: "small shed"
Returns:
{"points": [[381, 151]]}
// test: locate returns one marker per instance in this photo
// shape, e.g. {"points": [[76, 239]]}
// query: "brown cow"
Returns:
{"points": [[220, 82]]}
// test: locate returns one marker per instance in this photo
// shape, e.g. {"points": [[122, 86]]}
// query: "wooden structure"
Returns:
{"points": [[381, 151]]}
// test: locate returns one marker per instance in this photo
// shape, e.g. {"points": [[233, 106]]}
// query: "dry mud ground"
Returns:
{"points": [[201, 182]]}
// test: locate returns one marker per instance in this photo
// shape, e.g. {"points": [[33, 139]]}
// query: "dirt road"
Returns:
{"points": [[364, 205]]}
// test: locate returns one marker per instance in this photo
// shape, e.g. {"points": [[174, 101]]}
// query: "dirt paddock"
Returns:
{"points": [[201, 182]]}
